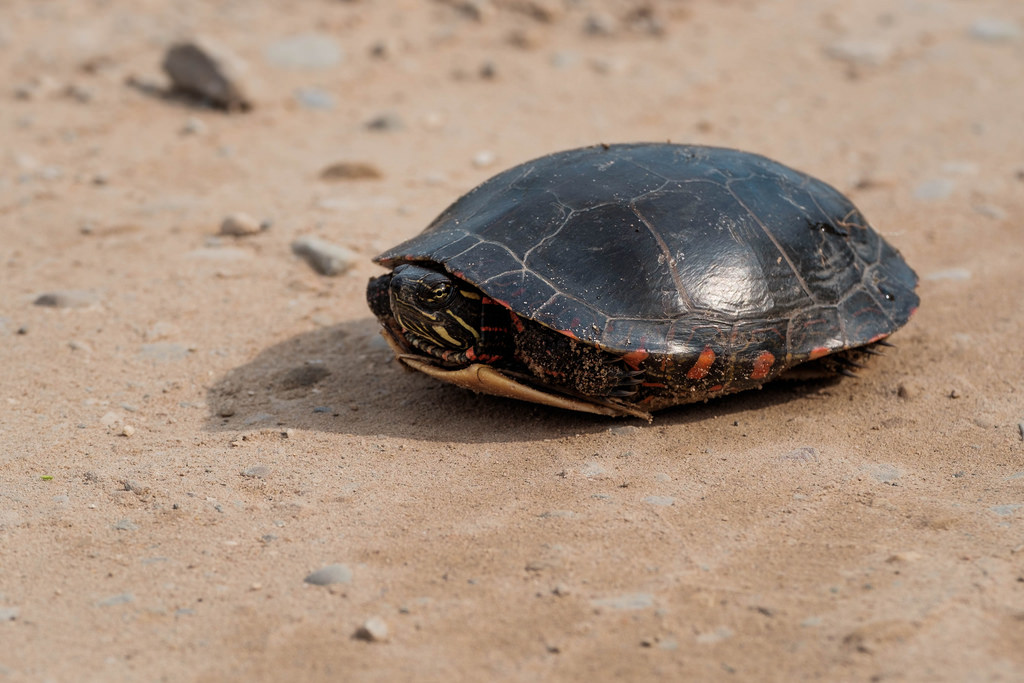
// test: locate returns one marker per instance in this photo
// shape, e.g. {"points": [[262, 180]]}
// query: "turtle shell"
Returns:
{"points": [[672, 249]]}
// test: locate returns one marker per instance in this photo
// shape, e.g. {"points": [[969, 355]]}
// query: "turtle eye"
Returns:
{"points": [[436, 295]]}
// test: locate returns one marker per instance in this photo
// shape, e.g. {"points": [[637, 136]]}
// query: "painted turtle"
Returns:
{"points": [[621, 279]]}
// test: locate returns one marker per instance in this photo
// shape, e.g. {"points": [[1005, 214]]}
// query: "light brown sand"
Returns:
{"points": [[864, 529]]}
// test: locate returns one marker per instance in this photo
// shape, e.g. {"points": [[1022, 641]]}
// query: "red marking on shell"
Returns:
{"points": [[471, 354], [717, 387], [878, 337], [634, 358], [704, 361], [653, 385], [819, 352], [763, 365]]}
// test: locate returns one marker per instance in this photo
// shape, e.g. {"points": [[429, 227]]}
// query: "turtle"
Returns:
{"points": [[626, 278]]}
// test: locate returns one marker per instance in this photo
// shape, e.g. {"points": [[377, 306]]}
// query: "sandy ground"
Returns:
{"points": [[204, 421]]}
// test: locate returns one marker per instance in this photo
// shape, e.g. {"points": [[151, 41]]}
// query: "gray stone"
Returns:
{"points": [[315, 98], [949, 274], [324, 257], [937, 188], [122, 599], [628, 601], [992, 30], [660, 500], [373, 630], [164, 351], [1006, 510], [67, 298], [9, 613], [304, 51], [126, 525], [331, 574], [210, 71], [860, 52], [240, 224], [256, 472]]}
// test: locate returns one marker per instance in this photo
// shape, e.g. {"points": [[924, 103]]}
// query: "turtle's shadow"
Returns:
{"points": [[344, 379]]}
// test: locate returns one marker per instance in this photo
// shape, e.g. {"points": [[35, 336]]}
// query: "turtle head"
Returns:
{"points": [[437, 314]]}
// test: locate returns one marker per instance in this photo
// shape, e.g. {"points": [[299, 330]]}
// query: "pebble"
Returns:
{"points": [[256, 472], [385, 122], [629, 601], [600, 24], [905, 557], [76, 345], [331, 574], [67, 298], [484, 158], [164, 351], [315, 98], [949, 274], [373, 630], [350, 170], [660, 500], [718, 635], [325, 258], [126, 525], [208, 70], [991, 30], [240, 224], [304, 51], [936, 188], [193, 126], [127, 430], [1020, 428], [1006, 510], [884, 472], [624, 430], [860, 52], [9, 613], [802, 454], [122, 599]]}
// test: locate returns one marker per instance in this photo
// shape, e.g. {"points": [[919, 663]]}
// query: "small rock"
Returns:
{"points": [[884, 472], [76, 345], [624, 430], [1006, 510], [718, 635], [67, 298], [122, 599], [385, 122], [629, 601], [127, 430], [949, 274], [8, 613], [126, 525], [256, 472], [660, 500], [193, 126], [860, 53], [331, 574], [324, 257], [1020, 429], [993, 30], [350, 170], [305, 51], [904, 557], [802, 454], [938, 188], [208, 70], [240, 225], [315, 98], [38, 87], [600, 24], [164, 352], [373, 630], [484, 158]]}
